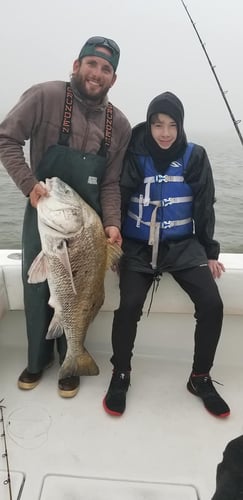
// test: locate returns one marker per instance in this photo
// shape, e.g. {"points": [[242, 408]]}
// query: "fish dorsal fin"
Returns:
{"points": [[62, 255], [114, 253], [38, 270]]}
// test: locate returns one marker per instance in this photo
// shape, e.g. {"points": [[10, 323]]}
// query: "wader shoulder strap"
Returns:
{"points": [[106, 142], [67, 117]]}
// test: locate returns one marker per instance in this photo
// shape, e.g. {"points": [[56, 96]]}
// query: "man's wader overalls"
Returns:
{"points": [[83, 172]]}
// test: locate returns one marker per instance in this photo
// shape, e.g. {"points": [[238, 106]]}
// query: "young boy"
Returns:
{"points": [[168, 224]]}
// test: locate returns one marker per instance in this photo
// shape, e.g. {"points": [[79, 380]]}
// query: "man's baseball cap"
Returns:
{"points": [[91, 48]]}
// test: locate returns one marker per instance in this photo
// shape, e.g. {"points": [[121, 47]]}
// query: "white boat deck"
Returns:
{"points": [[165, 447]]}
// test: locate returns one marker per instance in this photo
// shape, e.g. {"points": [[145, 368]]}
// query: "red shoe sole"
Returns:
{"points": [[222, 415], [111, 412]]}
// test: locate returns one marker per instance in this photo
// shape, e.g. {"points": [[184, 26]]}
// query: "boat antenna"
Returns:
{"points": [[5, 453], [223, 92]]}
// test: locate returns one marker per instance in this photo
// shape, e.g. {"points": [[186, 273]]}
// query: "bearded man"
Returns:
{"points": [[76, 134]]}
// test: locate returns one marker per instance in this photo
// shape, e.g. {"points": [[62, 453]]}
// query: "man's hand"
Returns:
{"points": [[36, 193], [216, 268], [113, 234]]}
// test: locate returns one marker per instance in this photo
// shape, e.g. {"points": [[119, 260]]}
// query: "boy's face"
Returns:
{"points": [[163, 130]]}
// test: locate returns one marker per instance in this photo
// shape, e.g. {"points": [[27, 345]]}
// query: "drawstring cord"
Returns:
{"points": [[156, 281]]}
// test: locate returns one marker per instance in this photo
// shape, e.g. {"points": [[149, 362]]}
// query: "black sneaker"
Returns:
{"points": [[202, 386], [114, 402]]}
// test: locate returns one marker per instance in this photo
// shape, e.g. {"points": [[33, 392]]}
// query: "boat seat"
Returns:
{"points": [[169, 298]]}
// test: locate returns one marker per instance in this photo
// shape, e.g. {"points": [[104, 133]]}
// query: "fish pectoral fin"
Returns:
{"points": [[63, 256], [38, 270], [55, 329], [114, 253]]}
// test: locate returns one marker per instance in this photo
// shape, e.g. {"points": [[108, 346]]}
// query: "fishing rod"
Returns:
{"points": [[5, 453], [235, 122]]}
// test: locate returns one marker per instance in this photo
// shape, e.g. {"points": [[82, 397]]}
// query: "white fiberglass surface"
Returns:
{"points": [[165, 435], [67, 488]]}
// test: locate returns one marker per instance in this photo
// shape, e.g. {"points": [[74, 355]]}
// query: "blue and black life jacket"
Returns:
{"points": [[161, 209]]}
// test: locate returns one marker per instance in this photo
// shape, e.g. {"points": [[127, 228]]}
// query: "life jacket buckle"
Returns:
{"points": [[161, 178], [166, 224], [166, 202]]}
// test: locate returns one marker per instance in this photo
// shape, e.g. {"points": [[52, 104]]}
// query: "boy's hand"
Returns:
{"points": [[216, 268]]}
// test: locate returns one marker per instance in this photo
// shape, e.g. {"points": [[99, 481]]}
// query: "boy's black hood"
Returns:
{"points": [[142, 140], [169, 104]]}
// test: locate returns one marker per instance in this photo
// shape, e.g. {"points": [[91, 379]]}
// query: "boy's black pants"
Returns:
{"points": [[199, 284]]}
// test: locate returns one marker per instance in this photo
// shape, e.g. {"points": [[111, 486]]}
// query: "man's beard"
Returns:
{"points": [[80, 86]]}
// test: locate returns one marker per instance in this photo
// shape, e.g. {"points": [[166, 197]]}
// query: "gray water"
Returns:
{"points": [[226, 157]]}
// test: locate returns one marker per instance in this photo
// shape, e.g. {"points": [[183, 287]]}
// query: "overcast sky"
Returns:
{"points": [[159, 51]]}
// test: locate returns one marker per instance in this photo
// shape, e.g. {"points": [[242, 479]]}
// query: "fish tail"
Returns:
{"points": [[114, 253], [55, 329], [82, 364]]}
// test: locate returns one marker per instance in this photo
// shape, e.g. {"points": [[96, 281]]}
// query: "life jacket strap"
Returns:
{"points": [[166, 224], [163, 203], [158, 178], [164, 178]]}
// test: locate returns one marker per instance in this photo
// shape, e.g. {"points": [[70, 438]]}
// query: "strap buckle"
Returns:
{"points": [[161, 178]]}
